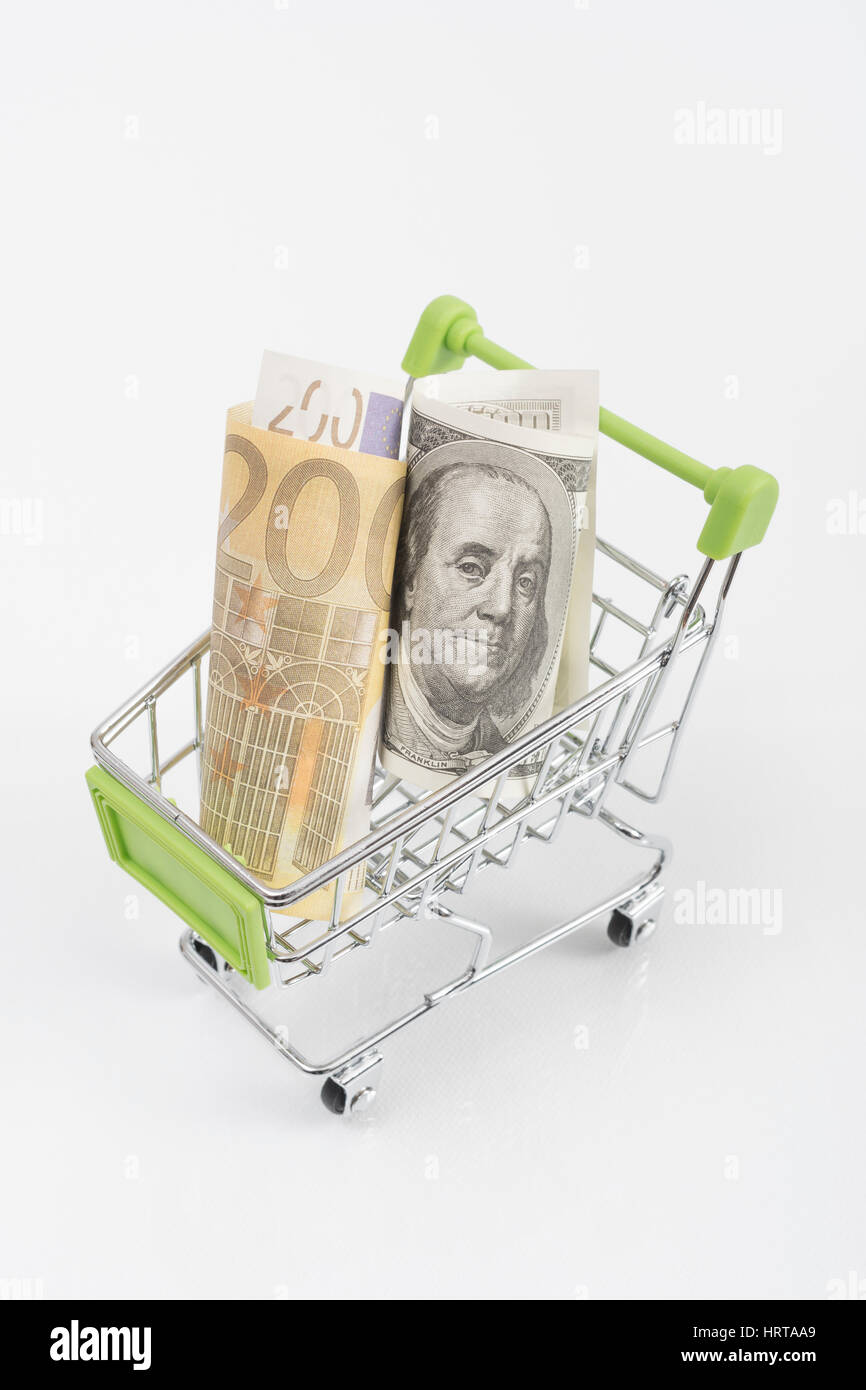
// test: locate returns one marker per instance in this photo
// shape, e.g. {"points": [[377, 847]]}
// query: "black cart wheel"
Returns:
{"points": [[625, 928], [620, 928], [334, 1097], [205, 953], [349, 1098]]}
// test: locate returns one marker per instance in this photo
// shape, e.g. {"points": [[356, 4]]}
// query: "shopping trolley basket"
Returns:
{"points": [[650, 642]]}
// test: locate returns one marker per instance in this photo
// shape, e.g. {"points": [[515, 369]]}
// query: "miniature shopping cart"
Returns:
{"points": [[651, 638]]}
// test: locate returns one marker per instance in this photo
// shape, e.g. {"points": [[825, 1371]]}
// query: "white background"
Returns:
{"points": [[187, 183]]}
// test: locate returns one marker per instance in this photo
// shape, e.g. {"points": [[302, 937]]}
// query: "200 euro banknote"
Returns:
{"points": [[305, 556]]}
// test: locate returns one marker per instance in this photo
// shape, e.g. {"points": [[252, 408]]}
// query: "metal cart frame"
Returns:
{"points": [[424, 850]]}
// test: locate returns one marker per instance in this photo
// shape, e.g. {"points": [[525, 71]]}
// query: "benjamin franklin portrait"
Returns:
{"points": [[475, 560]]}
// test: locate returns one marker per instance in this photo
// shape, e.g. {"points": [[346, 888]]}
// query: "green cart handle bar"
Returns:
{"points": [[742, 500]]}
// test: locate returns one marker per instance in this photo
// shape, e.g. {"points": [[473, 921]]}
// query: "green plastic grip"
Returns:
{"points": [[742, 500], [224, 912]]}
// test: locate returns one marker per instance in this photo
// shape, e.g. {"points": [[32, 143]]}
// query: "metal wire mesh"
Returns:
{"points": [[422, 845]]}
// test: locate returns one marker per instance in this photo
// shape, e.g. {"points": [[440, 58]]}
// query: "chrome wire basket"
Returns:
{"points": [[425, 850], [424, 853]]}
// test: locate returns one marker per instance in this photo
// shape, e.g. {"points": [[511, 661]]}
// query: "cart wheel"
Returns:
{"points": [[338, 1100], [333, 1097], [205, 952], [620, 928], [623, 931], [351, 1091], [635, 920]]}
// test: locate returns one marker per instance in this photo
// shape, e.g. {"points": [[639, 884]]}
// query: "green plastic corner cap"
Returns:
{"points": [[224, 912], [742, 501], [438, 343]]}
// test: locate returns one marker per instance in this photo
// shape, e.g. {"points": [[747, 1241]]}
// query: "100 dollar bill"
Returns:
{"points": [[496, 499], [571, 407]]}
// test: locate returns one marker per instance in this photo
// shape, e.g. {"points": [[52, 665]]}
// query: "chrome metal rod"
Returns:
{"points": [[403, 824]]}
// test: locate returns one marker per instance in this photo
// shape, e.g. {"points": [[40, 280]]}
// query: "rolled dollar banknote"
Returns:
{"points": [[305, 557], [571, 407], [496, 501]]}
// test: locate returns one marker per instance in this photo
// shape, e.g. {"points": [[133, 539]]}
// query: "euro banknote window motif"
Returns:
{"points": [[302, 597], [287, 688]]}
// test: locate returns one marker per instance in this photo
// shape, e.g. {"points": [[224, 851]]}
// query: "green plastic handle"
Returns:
{"points": [[742, 500], [226, 913]]}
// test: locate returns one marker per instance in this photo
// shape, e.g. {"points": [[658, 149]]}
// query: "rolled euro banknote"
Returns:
{"points": [[497, 487], [305, 557], [310, 400]]}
